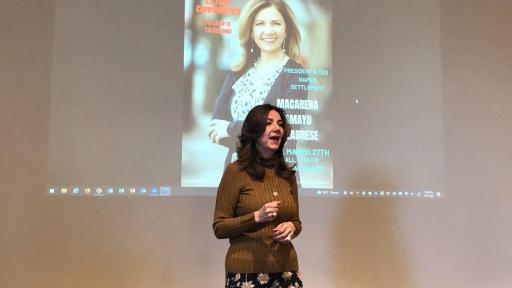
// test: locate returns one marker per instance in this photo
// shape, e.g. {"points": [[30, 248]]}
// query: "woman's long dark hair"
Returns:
{"points": [[254, 126]]}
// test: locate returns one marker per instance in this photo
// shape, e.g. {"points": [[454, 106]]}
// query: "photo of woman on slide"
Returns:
{"points": [[242, 53], [270, 40]]}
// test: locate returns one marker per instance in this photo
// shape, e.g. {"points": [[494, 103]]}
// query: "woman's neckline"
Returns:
{"points": [[272, 67], [268, 162]]}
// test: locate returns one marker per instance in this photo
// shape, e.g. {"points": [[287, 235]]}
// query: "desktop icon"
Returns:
{"points": [[165, 191]]}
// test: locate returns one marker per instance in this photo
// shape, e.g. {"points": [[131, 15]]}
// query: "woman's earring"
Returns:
{"points": [[252, 46], [283, 45]]}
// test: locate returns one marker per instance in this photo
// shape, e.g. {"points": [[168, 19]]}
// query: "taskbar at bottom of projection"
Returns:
{"points": [[167, 191]]}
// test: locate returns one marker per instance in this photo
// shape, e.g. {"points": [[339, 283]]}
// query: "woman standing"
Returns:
{"points": [[257, 206], [270, 41]]}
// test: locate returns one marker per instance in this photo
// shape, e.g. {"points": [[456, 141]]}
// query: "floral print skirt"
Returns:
{"points": [[291, 279]]}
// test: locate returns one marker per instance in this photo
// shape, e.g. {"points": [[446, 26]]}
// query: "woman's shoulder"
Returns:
{"points": [[232, 75], [293, 64], [291, 70], [233, 168]]}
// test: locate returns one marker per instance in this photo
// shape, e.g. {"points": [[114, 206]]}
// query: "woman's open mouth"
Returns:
{"points": [[274, 139], [269, 41]]}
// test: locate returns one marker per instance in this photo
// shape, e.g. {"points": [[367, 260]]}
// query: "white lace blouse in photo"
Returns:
{"points": [[252, 89]]}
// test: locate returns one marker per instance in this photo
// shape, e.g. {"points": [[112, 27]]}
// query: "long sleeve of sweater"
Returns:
{"points": [[296, 220], [226, 223]]}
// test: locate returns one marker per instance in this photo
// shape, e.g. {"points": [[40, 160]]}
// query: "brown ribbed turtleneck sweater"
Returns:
{"points": [[251, 247]]}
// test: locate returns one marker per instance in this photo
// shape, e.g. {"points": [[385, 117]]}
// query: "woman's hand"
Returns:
{"points": [[267, 212], [283, 232], [218, 130]]}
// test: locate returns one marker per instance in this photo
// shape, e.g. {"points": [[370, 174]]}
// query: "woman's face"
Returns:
{"points": [[269, 30], [269, 141]]}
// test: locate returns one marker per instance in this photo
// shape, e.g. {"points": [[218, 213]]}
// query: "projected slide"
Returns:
{"points": [[148, 97], [226, 43]]}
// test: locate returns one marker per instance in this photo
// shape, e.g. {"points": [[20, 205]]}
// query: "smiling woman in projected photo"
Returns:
{"points": [[257, 206], [270, 40]]}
